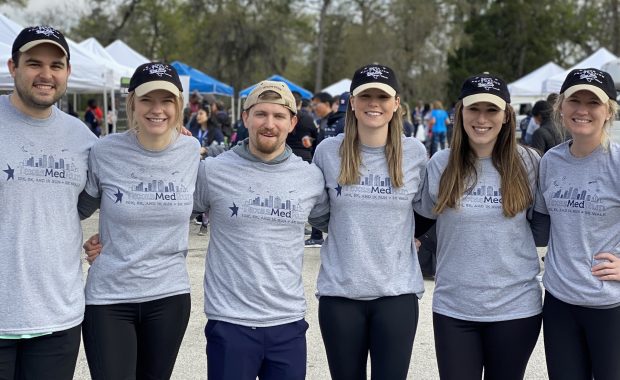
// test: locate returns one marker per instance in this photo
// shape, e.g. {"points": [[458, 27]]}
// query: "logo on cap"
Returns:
{"points": [[47, 31], [589, 75], [487, 83], [375, 72], [158, 69]]}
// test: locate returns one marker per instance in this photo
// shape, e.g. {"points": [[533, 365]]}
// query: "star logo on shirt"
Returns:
{"points": [[234, 210], [338, 190], [119, 196], [9, 173]]}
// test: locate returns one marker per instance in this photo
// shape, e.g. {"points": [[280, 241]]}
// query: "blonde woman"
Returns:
{"points": [[137, 290], [487, 302], [370, 280], [580, 183]]}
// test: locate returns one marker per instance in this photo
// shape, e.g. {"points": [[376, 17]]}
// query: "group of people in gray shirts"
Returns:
{"points": [[493, 200]]}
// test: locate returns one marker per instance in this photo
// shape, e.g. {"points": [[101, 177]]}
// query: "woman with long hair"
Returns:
{"points": [[370, 280], [580, 184], [487, 301], [137, 290]]}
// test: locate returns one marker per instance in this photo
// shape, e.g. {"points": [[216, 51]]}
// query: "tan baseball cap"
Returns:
{"points": [[286, 96]]}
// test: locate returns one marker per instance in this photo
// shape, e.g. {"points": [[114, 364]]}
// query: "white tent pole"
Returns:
{"points": [[104, 128], [112, 93], [232, 109], [239, 108]]}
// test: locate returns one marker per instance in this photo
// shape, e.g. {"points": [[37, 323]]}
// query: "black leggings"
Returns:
{"points": [[51, 356], [135, 340], [502, 348], [581, 342], [385, 326]]}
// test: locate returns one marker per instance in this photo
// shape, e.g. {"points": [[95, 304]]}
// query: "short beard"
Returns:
{"points": [[30, 101]]}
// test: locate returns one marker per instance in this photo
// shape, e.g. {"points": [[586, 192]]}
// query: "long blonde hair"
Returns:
{"points": [[612, 107], [351, 158], [461, 174], [132, 123]]}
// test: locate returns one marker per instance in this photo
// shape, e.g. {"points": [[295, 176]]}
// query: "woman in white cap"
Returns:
{"points": [[370, 280], [580, 183], [487, 301], [137, 290]]}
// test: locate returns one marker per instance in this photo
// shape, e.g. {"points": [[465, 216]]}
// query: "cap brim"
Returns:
{"points": [[32, 44], [145, 88], [247, 105], [381, 86], [587, 87], [484, 97]]}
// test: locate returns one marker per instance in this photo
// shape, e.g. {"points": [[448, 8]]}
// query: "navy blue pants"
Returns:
{"points": [[581, 342], [236, 352], [51, 356], [502, 348]]}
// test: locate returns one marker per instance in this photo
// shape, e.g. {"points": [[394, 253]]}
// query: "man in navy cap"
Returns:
{"points": [[43, 154]]}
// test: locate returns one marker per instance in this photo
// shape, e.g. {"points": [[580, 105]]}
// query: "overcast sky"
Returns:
{"points": [[31, 14]]}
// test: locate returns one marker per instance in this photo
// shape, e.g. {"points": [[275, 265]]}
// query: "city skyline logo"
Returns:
{"points": [[573, 193], [370, 184], [153, 191], [43, 167], [269, 207], [372, 187], [159, 186], [485, 191], [45, 161], [567, 197], [482, 195]]}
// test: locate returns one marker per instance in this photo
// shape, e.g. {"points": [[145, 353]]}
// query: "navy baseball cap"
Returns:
{"points": [[343, 102], [36, 35], [599, 82], [485, 88], [155, 76], [375, 76]]}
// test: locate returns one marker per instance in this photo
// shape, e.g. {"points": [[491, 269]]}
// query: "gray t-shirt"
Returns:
{"points": [[486, 263], [43, 165], [582, 197], [257, 213], [370, 250], [146, 202]]}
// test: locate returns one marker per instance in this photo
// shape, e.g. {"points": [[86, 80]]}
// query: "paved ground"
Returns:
{"points": [[191, 363]]}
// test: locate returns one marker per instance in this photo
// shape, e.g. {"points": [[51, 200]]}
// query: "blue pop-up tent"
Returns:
{"points": [[202, 82], [294, 87]]}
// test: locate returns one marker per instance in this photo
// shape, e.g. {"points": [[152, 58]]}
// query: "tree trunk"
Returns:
{"points": [[320, 51], [615, 20]]}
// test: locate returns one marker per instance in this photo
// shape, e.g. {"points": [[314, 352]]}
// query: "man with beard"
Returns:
{"points": [[43, 154], [254, 297]]}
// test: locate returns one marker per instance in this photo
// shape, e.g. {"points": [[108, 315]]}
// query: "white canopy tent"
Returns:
{"points": [[9, 29], [115, 71], [596, 60], [125, 55], [338, 88], [6, 81], [613, 68], [529, 88], [118, 70], [87, 75]]}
